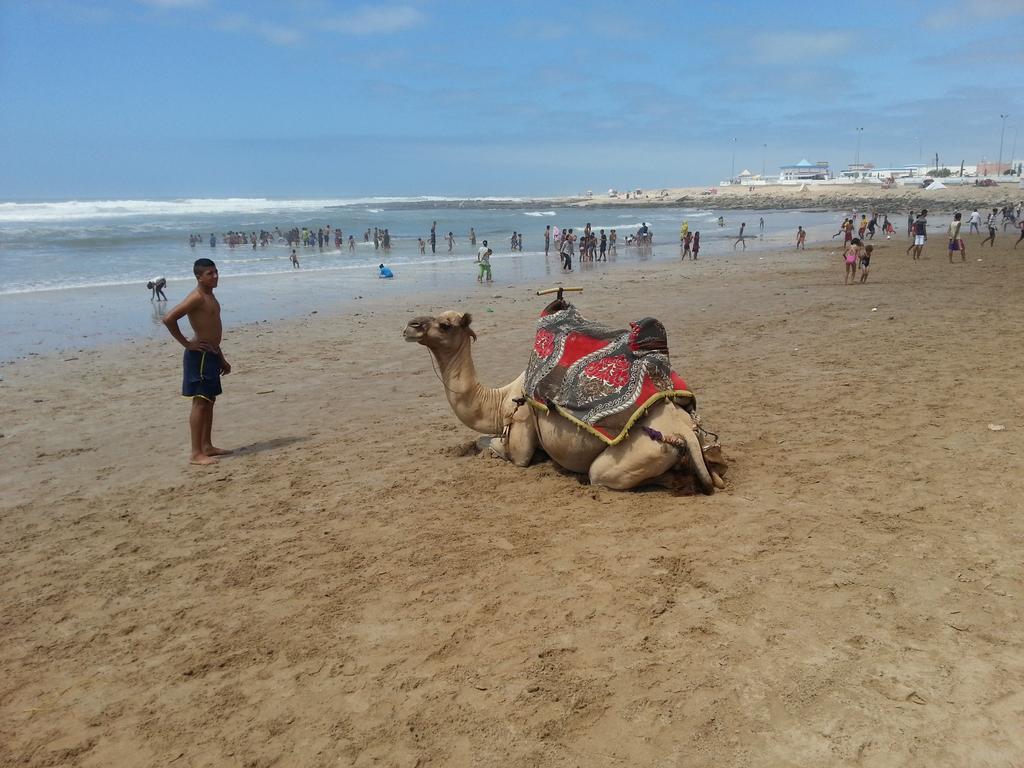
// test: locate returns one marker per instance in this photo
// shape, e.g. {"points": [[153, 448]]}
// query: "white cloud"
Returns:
{"points": [[969, 12], [369, 20], [272, 33], [173, 3], [800, 46]]}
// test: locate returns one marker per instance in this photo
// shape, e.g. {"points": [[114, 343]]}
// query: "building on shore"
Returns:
{"points": [[806, 171], [988, 168], [869, 172]]}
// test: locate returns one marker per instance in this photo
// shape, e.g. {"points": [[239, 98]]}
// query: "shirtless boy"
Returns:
{"points": [[204, 362]]}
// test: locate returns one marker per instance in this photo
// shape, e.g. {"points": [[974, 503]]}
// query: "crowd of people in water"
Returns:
{"points": [[596, 245]]}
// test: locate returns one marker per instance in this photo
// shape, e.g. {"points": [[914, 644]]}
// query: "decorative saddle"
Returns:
{"points": [[601, 379]]}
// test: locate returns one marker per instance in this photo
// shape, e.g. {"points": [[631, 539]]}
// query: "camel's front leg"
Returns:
{"points": [[522, 440]]}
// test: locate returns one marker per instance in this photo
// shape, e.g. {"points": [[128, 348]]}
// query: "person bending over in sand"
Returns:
{"points": [[204, 362], [865, 262], [156, 287], [851, 256]]}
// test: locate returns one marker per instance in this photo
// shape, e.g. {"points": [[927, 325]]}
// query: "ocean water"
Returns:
{"points": [[73, 273]]}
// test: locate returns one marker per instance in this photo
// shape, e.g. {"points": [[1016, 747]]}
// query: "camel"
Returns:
{"points": [[518, 430]]}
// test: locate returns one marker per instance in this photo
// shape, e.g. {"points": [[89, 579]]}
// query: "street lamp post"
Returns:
{"points": [[1002, 132], [732, 174], [764, 156], [856, 157]]}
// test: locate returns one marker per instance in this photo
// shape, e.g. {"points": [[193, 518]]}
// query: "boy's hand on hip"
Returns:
{"points": [[225, 367]]}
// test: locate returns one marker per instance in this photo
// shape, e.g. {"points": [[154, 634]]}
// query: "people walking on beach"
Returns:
{"points": [[1020, 223], [450, 237], [547, 239], [851, 256], [423, 246], [433, 237], [472, 236], [865, 262], [910, 224], [696, 246], [603, 248], [613, 239], [990, 222], [566, 251], [687, 245], [760, 224], [920, 230], [872, 226], [213, 240], [483, 258], [295, 260], [955, 242], [801, 236], [741, 238], [204, 362]]}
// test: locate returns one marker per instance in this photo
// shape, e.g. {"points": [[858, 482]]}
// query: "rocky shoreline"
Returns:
{"points": [[858, 198]]}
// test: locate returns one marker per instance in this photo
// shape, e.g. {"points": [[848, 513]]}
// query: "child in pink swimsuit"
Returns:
{"points": [[851, 256]]}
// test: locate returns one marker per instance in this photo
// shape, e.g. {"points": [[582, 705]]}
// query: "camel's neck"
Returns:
{"points": [[478, 407]]}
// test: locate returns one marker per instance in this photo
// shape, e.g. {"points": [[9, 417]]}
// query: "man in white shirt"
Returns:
{"points": [[483, 258], [975, 221]]}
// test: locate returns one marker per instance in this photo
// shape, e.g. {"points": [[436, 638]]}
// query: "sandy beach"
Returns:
{"points": [[358, 587]]}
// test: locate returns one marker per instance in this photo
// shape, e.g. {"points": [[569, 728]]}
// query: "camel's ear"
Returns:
{"points": [[466, 320]]}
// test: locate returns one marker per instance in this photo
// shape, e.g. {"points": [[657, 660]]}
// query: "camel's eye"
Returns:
{"points": [[446, 326]]}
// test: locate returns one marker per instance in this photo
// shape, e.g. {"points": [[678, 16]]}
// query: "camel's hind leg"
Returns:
{"points": [[638, 459], [634, 461]]}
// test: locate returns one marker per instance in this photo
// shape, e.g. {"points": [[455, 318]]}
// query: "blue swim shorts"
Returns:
{"points": [[202, 375]]}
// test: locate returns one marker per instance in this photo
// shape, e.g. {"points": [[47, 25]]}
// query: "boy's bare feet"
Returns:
{"points": [[212, 451], [203, 459]]}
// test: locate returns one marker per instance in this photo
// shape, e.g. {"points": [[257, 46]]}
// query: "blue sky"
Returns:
{"points": [[314, 98]]}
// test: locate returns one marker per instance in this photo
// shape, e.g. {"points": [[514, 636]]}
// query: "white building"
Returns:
{"points": [[805, 171]]}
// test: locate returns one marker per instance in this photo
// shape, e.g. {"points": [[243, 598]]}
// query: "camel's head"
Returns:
{"points": [[446, 331]]}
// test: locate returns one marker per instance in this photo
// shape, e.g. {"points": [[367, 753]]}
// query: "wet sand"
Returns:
{"points": [[357, 587]]}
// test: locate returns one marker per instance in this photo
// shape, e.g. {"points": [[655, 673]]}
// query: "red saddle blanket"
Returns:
{"points": [[602, 379]]}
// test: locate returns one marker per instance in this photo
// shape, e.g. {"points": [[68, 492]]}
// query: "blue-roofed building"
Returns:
{"points": [[805, 171]]}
